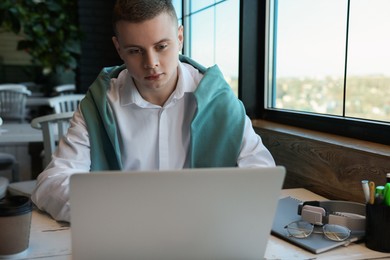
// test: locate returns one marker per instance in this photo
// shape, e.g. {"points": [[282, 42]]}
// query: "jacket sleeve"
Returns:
{"points": [[253, 153], [72, 156]]}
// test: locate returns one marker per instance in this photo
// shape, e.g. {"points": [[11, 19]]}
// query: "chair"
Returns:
{"points": [[12, 86], [3, 187], [13, 101], [64, 89], [8, 162], [53, 127], [65, 103]]}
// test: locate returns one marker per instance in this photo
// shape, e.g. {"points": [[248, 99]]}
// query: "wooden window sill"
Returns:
{"points": [[330, 165]]}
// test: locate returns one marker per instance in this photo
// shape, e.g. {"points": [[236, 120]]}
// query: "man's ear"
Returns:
{"points": [[117, 46], [180, 37]]}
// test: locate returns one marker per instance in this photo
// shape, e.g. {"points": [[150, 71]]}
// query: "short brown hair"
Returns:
{"points": [[136, 11]]}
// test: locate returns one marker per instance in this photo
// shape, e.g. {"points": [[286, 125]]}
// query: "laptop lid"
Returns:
{"points": [[210, 213]]}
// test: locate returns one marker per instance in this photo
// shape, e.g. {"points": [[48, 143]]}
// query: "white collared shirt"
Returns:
{"points": [[153, 136], [150, 137]]}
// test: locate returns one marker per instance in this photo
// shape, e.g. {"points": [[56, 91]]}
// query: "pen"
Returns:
{"points": [[379, 191], [371, 186], [366, 190], [386, 194]]}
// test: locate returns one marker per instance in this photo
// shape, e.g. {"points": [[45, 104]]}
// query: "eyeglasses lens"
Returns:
{"points": [[336, 232], [303, 229], [300, 229]]}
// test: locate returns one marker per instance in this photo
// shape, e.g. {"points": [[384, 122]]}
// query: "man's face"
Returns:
{"points": [[150, 51]]}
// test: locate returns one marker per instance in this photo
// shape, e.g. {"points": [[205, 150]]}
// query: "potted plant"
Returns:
{"points": [[51, 35]]}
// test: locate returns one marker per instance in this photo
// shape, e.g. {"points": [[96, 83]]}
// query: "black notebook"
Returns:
{"points": [[287, 212]]}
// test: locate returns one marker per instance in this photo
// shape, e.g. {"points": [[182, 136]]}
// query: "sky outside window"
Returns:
{"points": [[214, 37], [310, 57]]}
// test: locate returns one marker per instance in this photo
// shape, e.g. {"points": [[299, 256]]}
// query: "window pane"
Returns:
{"points": [[178, 8], [227, 40], [215, 38], [202, 37], [309, 55], [199, 4], [368, 81]]}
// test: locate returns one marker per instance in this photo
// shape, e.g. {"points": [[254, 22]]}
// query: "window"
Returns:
{"points": [[307, 62], [313, 64], [179, 9], [327, 66], [211, 30]]}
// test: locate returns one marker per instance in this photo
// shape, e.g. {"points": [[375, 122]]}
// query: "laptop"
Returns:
{"points": [[208, 213]]}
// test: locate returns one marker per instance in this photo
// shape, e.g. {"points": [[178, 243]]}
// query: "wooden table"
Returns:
{"points": [[17, 139], [14, 133], [52, 240]]}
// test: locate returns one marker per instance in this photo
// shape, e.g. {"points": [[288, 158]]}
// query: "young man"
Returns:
{"points": [[157, 111]]}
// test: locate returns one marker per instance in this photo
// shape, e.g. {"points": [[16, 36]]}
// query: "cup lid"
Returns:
{"points": [[15, 205]]}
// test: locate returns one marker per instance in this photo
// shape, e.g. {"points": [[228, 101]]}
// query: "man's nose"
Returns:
{"points": [[150, 60]]}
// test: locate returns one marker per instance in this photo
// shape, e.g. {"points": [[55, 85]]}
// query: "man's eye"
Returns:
{"points": [[161, 47], [134, 51]]}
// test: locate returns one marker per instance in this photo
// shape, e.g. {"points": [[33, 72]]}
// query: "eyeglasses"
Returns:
{"points": [[303, 229]]}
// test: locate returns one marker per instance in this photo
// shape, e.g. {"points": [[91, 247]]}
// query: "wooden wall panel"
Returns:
{"points": [[329, 168]]}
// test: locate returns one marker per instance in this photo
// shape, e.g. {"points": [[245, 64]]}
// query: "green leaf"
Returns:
{"points": [[73, 46], [52, 35], [72, 63], [53, 6]]}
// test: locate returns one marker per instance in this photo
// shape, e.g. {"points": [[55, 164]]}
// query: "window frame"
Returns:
{"points": [[253, 86]]}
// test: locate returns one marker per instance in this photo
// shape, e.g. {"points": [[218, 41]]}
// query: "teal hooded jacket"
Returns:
{"points": [[216, 128]]}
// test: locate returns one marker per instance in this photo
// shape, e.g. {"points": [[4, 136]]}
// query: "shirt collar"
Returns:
{"points": [[130, 95]]}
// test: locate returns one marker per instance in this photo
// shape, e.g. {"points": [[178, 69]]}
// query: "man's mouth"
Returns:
{"points": [[153, 77]]}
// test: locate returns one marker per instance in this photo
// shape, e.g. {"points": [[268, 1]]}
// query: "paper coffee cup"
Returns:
{"points": [[15, 222]]}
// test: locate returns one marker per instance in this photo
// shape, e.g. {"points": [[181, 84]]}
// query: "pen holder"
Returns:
{"points": [[378, 227]]}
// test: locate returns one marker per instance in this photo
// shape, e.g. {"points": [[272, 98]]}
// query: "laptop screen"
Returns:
{"points": [[211, 213]]}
